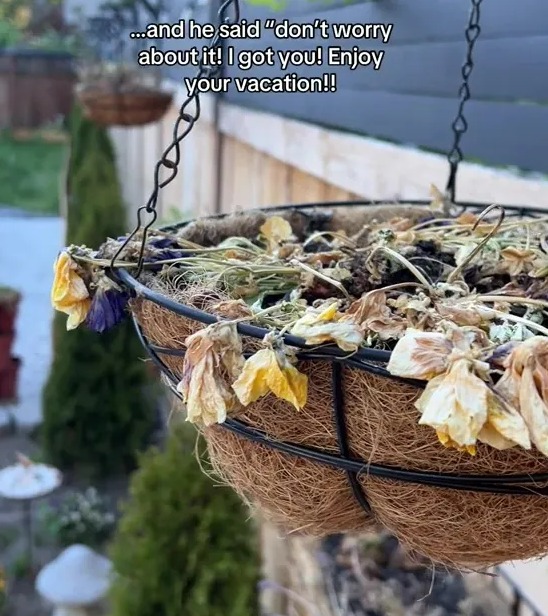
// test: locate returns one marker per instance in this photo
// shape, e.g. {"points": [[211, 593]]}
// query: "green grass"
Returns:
{"points": [[29, 173]]}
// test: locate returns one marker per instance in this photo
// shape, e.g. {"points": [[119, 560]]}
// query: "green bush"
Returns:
{"points": [[97, 414], [183, 546]]}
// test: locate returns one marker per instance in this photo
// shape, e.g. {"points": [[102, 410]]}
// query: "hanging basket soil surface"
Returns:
{"points": [[467, 528], [109, 106], [353, 453]]}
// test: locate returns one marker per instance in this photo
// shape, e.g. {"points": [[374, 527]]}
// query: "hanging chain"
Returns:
{"points": [[189, 113], [460, 125]]}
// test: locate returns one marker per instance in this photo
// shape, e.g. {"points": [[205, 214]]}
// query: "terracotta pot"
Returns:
{"points": [[8, 313], [9, 379], [6, 342], [7, 319]]}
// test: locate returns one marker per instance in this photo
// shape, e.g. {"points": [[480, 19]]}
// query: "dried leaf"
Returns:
{"points": [[515, 260]]}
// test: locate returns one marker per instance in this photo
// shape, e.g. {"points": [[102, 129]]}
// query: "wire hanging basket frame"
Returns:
{"points": [[370, 360]]}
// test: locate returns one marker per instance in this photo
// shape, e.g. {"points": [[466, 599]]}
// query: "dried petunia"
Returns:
{"points": [[524, 385], [232, 309], [516, 260], [505, 427], [455, 404], [213, 358], [375, 317], [108, 308], [271, 370], [325, 324], [69, 293], [467, 218], [464, 313], [276, 230], [420, 355]]}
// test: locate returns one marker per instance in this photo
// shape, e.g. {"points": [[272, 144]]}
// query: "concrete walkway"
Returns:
{"points": [[28, 247]]}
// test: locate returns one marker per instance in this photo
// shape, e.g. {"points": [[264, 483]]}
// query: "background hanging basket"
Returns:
{"points": [[109, 106], [471, 529]]}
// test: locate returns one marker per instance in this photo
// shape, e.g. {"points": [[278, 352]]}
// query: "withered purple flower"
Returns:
{"points": [[163, 242], [107, 309]]}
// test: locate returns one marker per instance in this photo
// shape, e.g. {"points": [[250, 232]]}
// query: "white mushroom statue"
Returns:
{"points": [[76, 580]]}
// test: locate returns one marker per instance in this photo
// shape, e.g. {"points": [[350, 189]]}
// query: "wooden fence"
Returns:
{"points": [[412, 98], [36, 88]]}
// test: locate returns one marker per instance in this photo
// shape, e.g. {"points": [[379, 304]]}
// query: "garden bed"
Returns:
{"points": [[371, 575]]}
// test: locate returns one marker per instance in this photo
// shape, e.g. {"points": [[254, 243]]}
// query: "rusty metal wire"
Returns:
{"points": [[460, 125], [189, 113]]}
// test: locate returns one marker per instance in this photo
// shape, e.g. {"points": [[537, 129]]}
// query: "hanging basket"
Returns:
{"points": [[109, 106], [355, 456], [352, 454]]}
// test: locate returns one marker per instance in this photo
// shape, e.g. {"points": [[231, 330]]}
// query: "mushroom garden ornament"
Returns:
{"points": [[77, 579]]}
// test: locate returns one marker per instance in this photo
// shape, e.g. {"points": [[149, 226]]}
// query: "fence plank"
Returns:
{"points": [[227, 166], [419, 20], [306, 189], [499, 133], [276, 182], [502, 67]]}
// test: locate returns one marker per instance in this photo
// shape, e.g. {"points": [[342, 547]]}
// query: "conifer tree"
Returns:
{"points": [[183, 545], [97, 411]]}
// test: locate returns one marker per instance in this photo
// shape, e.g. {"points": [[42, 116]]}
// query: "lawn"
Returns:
{"points": [[29, 172]]}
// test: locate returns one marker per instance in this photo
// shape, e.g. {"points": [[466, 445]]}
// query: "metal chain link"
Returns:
{"points": [[460, 125], [189, 113]]}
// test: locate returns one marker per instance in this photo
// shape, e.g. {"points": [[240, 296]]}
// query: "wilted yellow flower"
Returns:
{"points": [[325, 324], [455, 405], [276, 230], [69, 293], [271, 371], [214, 355], [525, 385], [505, 427], [515, 260], [420, 355]]}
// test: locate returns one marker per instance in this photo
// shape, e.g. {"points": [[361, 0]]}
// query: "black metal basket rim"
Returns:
{"points": [[329, 351]]}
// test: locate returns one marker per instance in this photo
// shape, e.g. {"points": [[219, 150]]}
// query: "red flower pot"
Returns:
{"points": [[9, 304], [8, 314], [9, 379], [6, 342]]}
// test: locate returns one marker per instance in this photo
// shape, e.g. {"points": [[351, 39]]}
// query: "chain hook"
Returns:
{"points": [[460, 125], [189, 113]]}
